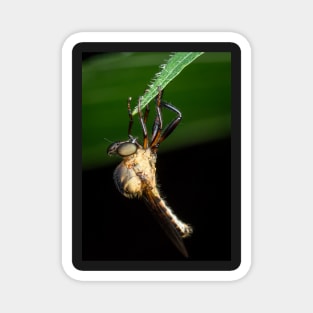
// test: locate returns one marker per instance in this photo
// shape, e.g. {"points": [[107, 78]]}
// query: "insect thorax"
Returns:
{"points": [[135, 173]]}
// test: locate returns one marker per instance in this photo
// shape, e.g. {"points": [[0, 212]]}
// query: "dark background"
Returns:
{"points": [[196, 184]]}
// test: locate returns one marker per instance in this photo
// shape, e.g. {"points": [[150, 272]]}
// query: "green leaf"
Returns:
{"points": [[202, 93], [175, 64]]}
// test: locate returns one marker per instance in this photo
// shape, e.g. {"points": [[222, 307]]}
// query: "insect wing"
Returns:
{"points": [[156, 206]]}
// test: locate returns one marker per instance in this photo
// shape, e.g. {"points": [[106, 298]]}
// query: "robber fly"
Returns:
{"points": [[135, 176]]}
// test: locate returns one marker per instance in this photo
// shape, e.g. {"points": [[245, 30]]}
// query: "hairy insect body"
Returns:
{"points": [[136, 173], [135, 178]]}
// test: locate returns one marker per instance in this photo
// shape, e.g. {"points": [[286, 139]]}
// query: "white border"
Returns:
{"points": [[67, 156]]}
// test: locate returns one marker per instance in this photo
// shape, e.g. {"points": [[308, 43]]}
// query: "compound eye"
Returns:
{"points": [[126, 149]]}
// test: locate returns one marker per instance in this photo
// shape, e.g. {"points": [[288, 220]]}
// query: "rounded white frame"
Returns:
{"points": [[68, 46]]}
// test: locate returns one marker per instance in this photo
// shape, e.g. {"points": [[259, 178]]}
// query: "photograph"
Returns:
{"points": [[156, 160]]}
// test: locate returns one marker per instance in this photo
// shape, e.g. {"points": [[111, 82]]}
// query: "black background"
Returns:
{"points": [[196, 183]]}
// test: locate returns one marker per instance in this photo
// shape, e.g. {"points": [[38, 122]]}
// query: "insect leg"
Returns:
{"points": [[130, 124], [145, 118], [157, 135], [170, 127], [143, 125], [158, 123]]}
